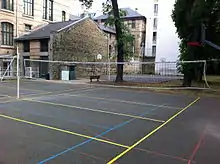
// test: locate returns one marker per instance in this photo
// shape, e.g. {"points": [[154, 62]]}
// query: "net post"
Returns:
{"points": [[17, 50], [109, 69], [204, 74], [18, 75]]}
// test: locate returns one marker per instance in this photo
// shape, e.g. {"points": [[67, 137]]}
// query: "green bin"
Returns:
{"points": [[72, 73]]}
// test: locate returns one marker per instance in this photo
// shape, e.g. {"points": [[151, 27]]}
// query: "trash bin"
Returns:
{"points": [[47, 76], [72, 74]]}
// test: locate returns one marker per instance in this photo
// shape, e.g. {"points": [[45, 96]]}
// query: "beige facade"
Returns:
{"points": [[138, 31], [28, 20]]}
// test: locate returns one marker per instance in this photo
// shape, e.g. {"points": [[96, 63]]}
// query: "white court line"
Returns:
{"points": [[100, 98], [25, 89], [124, 101], [53, 94]]}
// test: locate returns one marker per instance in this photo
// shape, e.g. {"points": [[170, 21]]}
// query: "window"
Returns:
{"points": [[28, 7], [48, 10], [155, 8], [154, 49], [26, 46], [8, 4], [155, 23], [63, 16], [133, 25], [50, 14], [44, 45], [27, 27], [154, 37], [7, 33]]}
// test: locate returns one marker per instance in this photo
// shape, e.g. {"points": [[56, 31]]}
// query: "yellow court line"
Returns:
{"points": [[63, 131], [152, 132], [96, 110], [124, 101]]}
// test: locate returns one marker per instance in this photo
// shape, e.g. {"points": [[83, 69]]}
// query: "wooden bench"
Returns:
{"points": [[94, 77]]}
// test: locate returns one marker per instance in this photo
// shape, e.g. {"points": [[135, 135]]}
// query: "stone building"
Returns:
{"points": [[18, 17], [137, 25], [111, 37], [75, 41]]}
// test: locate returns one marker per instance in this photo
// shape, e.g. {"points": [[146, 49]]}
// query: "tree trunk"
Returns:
{"points": [[120, 45], [187, 81]]}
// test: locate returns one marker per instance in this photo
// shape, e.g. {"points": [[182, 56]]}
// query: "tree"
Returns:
{"points": [[121, 31], [188, 15]]}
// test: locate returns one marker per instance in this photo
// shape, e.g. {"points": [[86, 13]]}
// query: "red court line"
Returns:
{"points": [[198, 145], [153, 152], [162, 155]]}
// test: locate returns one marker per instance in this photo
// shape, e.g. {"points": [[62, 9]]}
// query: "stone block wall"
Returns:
{"points": [[149, 68], [80, 43]]}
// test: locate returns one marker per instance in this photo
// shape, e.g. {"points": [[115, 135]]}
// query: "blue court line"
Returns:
{"points": [[89, 140]]}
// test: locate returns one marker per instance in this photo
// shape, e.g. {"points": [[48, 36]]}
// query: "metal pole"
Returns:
{"points": [[108, 53], [17, 51]]}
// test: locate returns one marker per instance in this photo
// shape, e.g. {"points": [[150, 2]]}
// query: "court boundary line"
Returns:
{"points": [[123, 101], [95, 110], [27, 89], [113, 128], [60, 93], [197, 146], [62, 130], [152, 132]]}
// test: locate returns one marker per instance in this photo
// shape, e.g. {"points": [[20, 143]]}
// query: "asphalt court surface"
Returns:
{"points": [[66, 123]]}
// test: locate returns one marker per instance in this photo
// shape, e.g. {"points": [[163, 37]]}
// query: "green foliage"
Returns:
{"points": [[126, 38], [188, 15]]}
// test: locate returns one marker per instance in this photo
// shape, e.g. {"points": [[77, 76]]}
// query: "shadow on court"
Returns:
{"points": [[64, 123]]}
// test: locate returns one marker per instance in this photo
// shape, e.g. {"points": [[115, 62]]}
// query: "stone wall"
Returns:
{"points": [[139, 33], [80, 43], [149, 68]]}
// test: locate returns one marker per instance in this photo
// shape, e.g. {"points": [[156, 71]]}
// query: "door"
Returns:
{"points": [[43, 67]]}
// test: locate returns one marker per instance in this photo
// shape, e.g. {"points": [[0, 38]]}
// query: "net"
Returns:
{"points": [[8, 67], [141, 74]]}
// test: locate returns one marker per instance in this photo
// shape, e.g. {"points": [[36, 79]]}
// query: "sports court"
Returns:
{"points": [[58, 123]]}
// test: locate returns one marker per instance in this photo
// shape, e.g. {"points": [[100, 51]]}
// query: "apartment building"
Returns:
{"points": [[137, 25], [18, 17], [152, 28]]}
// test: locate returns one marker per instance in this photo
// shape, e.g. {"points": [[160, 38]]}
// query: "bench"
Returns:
{"points": [[94, 77]]}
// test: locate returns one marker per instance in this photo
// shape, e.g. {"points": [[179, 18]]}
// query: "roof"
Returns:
{"points": [[129, 14], [45, 31], [106, 29], [73, 17], [102, 27]]}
